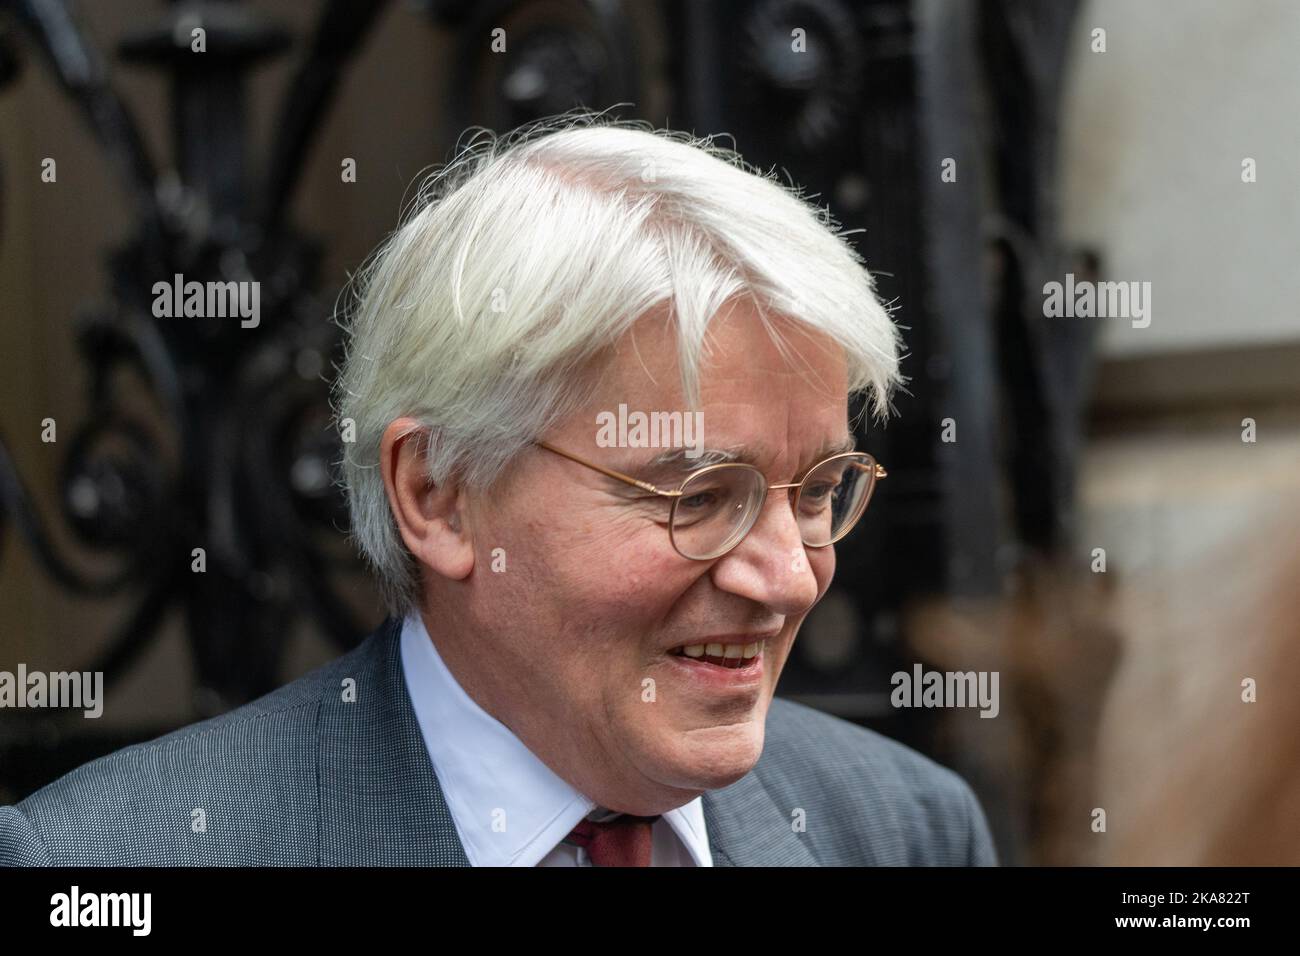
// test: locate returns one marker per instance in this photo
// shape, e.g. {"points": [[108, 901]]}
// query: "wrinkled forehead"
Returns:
{"points": [[740, 359], [761, 401]]}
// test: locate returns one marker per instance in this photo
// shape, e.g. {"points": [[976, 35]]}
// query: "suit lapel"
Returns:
{"points": [[380, 802], [746, 827]]}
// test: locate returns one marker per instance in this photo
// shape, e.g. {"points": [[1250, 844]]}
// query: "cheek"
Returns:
{"points": [[637, 587], [618, 555], [600, 578], [611, 590], [822, 563]]}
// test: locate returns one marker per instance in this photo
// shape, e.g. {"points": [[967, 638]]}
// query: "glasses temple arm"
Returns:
{"points": [[608, 472]]}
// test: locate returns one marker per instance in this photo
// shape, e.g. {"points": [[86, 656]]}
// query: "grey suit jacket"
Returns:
{"points": [[302, 777]]}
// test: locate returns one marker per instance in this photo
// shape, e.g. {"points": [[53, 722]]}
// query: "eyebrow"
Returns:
{"points": [[676, 460]]}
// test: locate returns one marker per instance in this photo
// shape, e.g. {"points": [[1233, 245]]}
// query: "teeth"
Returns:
{"points": [[724, 651]]}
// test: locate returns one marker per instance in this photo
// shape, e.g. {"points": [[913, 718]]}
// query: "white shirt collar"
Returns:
{"points": [[490, 779]]}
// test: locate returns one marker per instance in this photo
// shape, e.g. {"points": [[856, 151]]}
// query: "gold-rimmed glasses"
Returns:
{"points": [[715, 507]]}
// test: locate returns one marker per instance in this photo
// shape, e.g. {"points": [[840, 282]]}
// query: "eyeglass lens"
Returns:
{"points": [[718, 506]]}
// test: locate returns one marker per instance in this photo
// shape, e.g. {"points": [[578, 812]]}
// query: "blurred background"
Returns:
{"points": [[1103, 512]]}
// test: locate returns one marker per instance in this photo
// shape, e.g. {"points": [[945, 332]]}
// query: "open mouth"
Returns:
{"points": [[721, 655]]}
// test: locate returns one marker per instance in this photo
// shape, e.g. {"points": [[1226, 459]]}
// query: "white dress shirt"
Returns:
{"points": [[510, 809]]}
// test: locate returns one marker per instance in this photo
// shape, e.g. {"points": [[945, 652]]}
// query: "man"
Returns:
{"points": [[598, 385]]}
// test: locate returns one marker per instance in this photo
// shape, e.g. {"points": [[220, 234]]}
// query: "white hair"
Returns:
{"points": [[524, 259]]}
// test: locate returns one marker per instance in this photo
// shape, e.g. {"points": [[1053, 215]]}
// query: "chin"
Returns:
{"points": [[714, 757]]}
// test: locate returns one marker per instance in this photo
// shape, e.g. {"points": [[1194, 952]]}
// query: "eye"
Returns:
{"points": [[818, 491], [702, 504], [706, 498]]}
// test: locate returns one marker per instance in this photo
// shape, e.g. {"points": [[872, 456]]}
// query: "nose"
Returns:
{"points": [[771, 564]]}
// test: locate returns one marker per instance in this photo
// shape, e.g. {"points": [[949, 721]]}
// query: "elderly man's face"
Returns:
{"points": [[571, 645]]}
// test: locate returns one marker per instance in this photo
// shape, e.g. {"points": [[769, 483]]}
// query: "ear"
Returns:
{"points": [[433, 520]]}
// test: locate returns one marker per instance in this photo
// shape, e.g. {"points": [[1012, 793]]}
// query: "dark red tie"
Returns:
{"points": [[622, 841]]}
